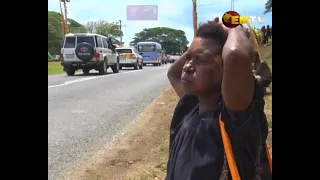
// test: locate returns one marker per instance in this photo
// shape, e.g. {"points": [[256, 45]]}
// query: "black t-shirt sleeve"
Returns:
{"points": [[235, 121], [249, 126], [247, 132]]}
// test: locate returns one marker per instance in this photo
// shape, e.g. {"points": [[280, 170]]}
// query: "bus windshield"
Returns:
{"points": [[146, 48]]}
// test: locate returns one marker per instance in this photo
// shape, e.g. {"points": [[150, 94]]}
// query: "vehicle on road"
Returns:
{"points": [[88, 51], [164, 59], [129, 57], [50, 58], [173, 58], [151, 52], [56, 57]]}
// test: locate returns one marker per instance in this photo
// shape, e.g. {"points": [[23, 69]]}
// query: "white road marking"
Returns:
{"points": [[89, 78], [97, 77]]}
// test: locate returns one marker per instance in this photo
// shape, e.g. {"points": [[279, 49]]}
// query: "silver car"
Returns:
{"points": [[129, 57]]}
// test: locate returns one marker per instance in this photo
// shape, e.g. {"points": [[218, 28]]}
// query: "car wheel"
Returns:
{"points": [[102, 68], [116, 67], [70, 71], [86, 70]]}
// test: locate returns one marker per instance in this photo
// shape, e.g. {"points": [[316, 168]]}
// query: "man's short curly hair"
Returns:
{"points": [[212, 31]]}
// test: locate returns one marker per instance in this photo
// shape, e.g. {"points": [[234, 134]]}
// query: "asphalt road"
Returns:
{"points": [[86, 112]]}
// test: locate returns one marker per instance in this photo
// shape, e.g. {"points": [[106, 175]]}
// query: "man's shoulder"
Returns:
{"points": [[185, 106], [187, 103], [240, 118], [263, 62]]}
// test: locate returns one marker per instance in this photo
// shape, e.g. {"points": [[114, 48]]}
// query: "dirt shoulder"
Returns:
{"points": [[142, 153]]}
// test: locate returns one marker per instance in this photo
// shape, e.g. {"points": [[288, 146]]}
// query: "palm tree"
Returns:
{"points": [[268, 6]]}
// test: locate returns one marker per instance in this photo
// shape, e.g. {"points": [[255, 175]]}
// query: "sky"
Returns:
{"points": [[176, 14]]}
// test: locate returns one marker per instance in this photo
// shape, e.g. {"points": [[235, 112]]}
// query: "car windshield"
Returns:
{"points": [[146, 48]]}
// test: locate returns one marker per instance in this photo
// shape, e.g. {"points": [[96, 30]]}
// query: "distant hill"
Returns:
{"points": [[54, 31]]}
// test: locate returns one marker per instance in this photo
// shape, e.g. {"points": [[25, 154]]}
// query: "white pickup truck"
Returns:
{"points": [[173, 58]]}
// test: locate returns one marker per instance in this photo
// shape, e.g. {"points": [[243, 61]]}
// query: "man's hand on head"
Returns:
{"points": [[237, 83]]}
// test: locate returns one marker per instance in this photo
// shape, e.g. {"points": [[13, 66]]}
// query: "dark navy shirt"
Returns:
{"points": [[196, 149]]}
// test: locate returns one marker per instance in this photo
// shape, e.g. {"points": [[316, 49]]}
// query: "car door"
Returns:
{"points": [[99, 47], [68, 49], [138, 55], [106, 49], [112, 51]]}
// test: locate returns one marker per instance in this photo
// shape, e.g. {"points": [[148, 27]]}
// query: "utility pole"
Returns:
{"points": [[195, 17], [64, 17], [120, 28], [65, 14], [120, 32], [62, 21]]}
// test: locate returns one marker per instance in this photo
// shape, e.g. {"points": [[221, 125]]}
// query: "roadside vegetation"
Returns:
{"points": [[54, 67]]}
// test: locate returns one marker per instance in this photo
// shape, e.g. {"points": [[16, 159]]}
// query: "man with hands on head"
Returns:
{"points": [[213, 77]]}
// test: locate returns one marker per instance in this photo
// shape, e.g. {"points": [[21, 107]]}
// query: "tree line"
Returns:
{"points": [[172, 40], [55, 35]]}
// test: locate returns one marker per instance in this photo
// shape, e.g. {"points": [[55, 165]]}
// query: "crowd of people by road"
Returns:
{"points": [[267, 33], [218, 130]]}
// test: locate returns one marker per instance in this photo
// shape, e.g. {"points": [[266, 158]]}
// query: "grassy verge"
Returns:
{"points": [[266, 53], [54, 68]]}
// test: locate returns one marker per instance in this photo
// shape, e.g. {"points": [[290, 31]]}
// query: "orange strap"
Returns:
{"points": [[269, 157], [229, 154]]}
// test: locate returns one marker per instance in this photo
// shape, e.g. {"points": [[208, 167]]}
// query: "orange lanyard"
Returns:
{"points": [[229, 154]]}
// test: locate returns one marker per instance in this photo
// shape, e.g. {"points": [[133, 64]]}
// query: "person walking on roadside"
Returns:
{"points": [[267, 34], [261, 71], [263, 32], [213, 78]]}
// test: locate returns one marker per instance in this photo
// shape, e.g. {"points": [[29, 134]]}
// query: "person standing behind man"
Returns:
{"points": [[261, 71], [263, 30], [267, 34]]}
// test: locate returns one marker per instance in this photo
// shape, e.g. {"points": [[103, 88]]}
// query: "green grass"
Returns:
{"points": [[54, 68], [163, 150], [266, 53]]}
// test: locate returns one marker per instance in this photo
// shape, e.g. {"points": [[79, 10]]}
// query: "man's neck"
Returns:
{"points": [[208, 102]]}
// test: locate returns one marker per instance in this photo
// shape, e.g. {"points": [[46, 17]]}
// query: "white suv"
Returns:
{"points": [[88, 51]]}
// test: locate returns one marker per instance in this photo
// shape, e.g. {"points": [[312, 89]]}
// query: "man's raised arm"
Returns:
{"points": [[237, 83], [174, 74]]}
